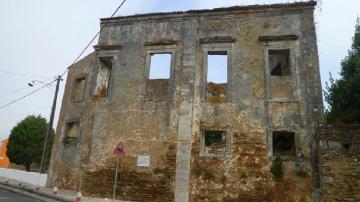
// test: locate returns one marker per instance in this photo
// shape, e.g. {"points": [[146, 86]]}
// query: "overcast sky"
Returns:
{"points": [[40, 38]]}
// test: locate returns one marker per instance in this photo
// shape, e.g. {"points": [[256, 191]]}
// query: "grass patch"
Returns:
{"points": [[208, 175], [243, 175], [196, 170], [140, 183]]}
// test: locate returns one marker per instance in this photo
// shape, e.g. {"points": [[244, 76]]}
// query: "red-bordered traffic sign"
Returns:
{"points": [[119, 150]]}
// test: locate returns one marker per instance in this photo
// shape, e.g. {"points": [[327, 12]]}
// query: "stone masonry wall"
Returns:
{"points": [[251, 112], [167, 119], [340, 162]]}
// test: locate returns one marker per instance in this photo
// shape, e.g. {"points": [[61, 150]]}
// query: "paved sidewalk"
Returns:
{"points": [[46, 194]]}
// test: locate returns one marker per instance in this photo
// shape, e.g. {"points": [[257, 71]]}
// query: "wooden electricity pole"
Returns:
{"points": [[49, 129]]}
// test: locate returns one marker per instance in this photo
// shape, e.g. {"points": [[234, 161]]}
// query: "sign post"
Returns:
{"points": [[118, 152]]}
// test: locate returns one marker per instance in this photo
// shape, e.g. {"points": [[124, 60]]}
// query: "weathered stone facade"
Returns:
{"points": [[262, 122], [340, 162]]}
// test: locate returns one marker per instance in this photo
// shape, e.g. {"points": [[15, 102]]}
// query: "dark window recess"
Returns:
{"points": [[103, 77], [346, 146], [72, 129], [160, 66], [279, 62], [284, 143], [79, 88], [215, 142]]}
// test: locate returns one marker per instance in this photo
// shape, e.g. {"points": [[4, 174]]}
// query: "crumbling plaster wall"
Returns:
{"points": [[251, 114], [169, 129], [144, 125], [67, 159]]}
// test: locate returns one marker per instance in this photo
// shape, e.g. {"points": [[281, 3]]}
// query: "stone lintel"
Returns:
{"points": [[107, 47], [289, 37], [218, 39], [161, 42]]}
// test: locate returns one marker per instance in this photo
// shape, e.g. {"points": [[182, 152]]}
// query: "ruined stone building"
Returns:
{"points": [[241, 130]]}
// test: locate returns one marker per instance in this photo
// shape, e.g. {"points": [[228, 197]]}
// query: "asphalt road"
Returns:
{"points": [[7, 196]]}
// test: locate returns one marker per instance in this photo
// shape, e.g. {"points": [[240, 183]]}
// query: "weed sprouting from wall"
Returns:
{"points": [[140, 183], [243, 175], [208, 175], [276, 169]]}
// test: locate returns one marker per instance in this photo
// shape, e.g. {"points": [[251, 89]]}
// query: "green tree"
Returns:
{"points": [[26, 141], [343, 95]]}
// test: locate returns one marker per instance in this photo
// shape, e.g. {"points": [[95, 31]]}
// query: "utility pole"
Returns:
{"points": [[49, 129]]}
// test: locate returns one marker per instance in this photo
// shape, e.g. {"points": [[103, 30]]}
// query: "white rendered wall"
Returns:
{"points": [[23, 176]]}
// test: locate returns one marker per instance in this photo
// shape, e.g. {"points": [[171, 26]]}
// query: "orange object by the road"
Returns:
{"points": [[4, 160]]}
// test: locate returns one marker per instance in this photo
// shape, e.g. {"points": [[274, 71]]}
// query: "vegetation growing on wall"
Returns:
{"points": [[343, 95], [276, 169], [208, 175]]}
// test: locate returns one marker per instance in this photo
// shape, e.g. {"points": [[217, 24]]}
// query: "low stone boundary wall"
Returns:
{"points": [[339, 162], [23, 176]]}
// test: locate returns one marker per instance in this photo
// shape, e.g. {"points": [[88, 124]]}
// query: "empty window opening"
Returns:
{"points": [[215, 142], [279, 62], [160, 64], [79, 89], [217, 67], [106, 61], [346, 146], [103, 78], [284, 143], [72, 129]]}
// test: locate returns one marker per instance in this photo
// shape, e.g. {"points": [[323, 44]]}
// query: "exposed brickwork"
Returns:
{"points": [[340, 162], [134, 185], [243, 175]]}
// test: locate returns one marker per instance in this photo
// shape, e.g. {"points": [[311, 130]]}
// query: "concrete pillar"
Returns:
{"points": [[183, 153]]}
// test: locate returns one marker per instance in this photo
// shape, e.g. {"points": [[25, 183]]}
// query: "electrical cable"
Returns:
{"points": [[14, 91], [92, 40], [22, 89], [22, 74], [67, 69], [26, 95]]}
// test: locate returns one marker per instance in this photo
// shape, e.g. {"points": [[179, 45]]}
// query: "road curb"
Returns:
{"points": [[33, 193]]}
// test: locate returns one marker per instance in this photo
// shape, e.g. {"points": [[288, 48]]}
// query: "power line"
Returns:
{"points": [[92, 40], [14, 91], [22, 74], [22, 89], [67, 69], [26, 95]]}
